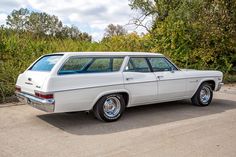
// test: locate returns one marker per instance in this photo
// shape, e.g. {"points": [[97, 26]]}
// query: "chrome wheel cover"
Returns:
{"points": [[205, 94], [111, 107]]}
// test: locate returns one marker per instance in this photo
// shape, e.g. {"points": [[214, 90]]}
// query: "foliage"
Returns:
{"points": [[43, 24], [129, 42], [114, 30], [228, 78], [194, 34], [19, 49]]}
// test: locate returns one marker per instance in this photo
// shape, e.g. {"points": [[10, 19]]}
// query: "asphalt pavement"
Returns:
{"points": [[176, 129]]}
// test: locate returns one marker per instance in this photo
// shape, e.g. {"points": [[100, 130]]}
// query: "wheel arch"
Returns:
{"points": [[211, 82], [124, 93]]}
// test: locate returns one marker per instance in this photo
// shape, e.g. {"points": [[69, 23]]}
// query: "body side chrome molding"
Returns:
{"points": [[120, 84]]}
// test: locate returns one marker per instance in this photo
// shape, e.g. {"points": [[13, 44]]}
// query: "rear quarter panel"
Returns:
{"points": [[78, 92]]}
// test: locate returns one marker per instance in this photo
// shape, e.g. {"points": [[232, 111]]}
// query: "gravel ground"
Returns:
{"points": [[166, 129]]}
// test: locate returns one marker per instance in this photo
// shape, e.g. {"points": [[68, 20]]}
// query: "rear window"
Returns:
{"points": [[46, 63]]}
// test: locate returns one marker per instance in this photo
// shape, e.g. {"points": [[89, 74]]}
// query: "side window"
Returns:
{"points": [[75, 65], [129, 67], [90, 65], [137, 64], [100, 65], [117, 62], [161, 64]]}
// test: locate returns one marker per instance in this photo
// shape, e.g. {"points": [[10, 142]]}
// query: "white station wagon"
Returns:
{"points": [[108, 82]]}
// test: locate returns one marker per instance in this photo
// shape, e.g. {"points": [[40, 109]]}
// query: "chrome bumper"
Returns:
{"points": [[46, 105], [219, 86]]}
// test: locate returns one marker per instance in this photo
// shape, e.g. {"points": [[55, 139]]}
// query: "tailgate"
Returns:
{"points": [[34, 77], [30, 81]]}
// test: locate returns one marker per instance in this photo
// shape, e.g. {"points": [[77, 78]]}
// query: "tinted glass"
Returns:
{"points": [[46, 63], [75, 65], [129, 67], [138, 65], [90, 65], [161, 64], [100, 65], [117, 62]]}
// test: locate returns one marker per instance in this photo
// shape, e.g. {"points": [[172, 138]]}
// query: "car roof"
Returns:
{"points": [[109, 53]]}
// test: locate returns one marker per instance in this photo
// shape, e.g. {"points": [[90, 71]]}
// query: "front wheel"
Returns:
{"points": [[110, 107], [203, 96]]}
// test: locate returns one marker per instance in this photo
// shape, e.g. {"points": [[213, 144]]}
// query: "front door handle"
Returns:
{"points": [[129, 78]]}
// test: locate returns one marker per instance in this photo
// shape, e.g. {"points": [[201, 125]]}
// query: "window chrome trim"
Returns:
{"points": [[178, 69], [92, 57], [144, 57], [37, 60], [151, 69]]}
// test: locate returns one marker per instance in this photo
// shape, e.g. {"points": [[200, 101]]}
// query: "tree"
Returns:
{"points": [[114, 30], [18, 19], [43, 24], [195, 34], [151, 11], [85, 37], [74, 33]]}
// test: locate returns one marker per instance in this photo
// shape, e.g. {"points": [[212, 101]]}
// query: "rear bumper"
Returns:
{"points": [[47, 105], [219, 86]]}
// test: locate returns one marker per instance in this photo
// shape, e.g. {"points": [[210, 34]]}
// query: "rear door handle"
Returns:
{"points": [[129, 78], [160, 77]]}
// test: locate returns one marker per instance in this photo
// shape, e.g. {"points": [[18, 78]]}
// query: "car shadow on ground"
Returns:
{"points": [[81, 123]]}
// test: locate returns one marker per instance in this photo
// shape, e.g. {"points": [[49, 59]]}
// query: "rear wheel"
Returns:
{"points": [[110, 107], [203, 96]]}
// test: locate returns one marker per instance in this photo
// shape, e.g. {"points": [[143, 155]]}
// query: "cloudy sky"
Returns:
{"points": [[91, 16]]}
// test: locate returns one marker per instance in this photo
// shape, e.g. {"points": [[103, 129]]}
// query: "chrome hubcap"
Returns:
{"points": [[111, 107], [205, 95]]}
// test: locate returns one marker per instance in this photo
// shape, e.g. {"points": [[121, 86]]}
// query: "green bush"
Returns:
{"points": [[19, 49]]}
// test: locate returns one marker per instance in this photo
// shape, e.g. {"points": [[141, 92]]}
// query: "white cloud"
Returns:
{"points": [[3, 18], [91, 16], [7, 6], [97, 35]]}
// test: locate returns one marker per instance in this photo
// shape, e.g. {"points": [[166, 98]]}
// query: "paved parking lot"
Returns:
{"points": [[167, 129]]}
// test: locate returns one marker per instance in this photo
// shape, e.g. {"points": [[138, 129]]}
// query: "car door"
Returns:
{"points": [[171, 82], [140, 81]]}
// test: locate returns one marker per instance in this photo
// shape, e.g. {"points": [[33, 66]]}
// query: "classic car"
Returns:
{"points": [[108, 82]]}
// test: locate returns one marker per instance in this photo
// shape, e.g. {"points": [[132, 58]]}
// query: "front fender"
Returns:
{"points": [[204, 80]]}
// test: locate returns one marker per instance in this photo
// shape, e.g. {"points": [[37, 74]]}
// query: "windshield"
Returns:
{"points": [[46, 63]]}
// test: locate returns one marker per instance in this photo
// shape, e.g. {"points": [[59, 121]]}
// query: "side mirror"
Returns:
{"points": [[172, 70]]}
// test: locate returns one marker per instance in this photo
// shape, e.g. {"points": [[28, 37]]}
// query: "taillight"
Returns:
{"points": [[18, 89], [43, 95]]}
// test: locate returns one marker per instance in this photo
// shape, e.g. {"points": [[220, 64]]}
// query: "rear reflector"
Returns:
{"points": [[43, 95], [18, 89]]}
